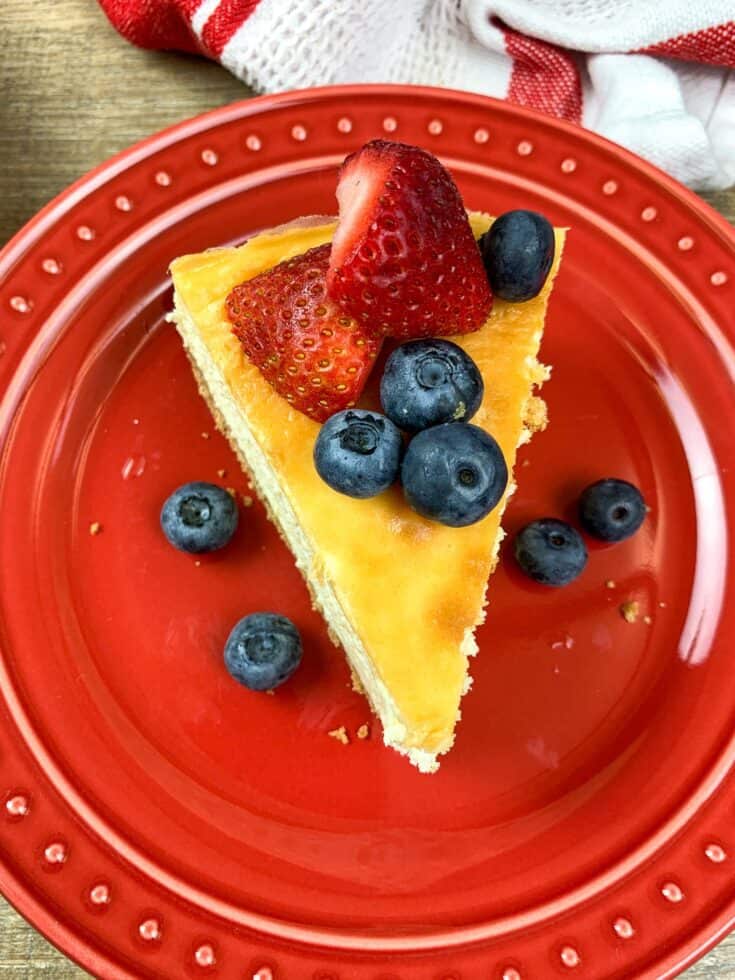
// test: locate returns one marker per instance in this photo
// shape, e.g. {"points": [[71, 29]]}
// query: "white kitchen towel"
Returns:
{"points": [[654, 75]]}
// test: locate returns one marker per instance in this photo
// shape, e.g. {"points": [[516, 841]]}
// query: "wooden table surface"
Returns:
{"points": [[71, 94]]}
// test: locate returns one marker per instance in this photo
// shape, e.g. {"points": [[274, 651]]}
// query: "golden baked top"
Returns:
{"points": [[411, 588]]}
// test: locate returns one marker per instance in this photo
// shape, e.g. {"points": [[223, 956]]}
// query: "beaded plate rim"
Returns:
{"points": [[20, 304]]}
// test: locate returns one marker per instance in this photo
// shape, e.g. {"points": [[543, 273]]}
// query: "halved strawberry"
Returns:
{"points": [[404, 260], [313, 354]]}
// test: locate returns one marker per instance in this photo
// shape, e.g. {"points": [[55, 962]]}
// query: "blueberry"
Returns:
{"points": [[358, 453], [454, 473], [611, 509], [199, 517], [427, 382], [263, 650], [517, 252], [550, 552]]}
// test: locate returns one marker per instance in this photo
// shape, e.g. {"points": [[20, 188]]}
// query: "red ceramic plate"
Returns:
{"points": [[159, 820]]}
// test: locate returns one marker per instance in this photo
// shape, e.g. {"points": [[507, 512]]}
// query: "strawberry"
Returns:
{"points": [[404, 260], [313, 354]]}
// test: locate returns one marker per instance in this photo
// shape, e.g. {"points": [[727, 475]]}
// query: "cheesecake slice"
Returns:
{"points": [[401, 595]]}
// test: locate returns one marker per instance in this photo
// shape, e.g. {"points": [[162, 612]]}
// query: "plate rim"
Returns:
{"points": [[20, 897], [242, 108]]}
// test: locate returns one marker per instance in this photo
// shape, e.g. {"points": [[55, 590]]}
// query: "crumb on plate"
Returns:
{"points": [[647, 620], [232, 492], [610, 584], [340, 734], [221, 474], [247, 500], [95, 527], [363, 731], [205, 435], [630, 610]]}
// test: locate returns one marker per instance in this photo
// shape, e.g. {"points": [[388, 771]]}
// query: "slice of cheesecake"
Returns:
{"points": [[401, 594]]}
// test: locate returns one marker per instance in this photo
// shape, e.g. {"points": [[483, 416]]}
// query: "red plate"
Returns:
{"points": [[159, 820]]}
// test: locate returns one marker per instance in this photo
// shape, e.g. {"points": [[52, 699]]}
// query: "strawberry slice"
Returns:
{"points": [[404, 260], [314, 355]]}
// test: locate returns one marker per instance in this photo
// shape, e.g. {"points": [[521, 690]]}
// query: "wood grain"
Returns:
{"points": [[72, 93]]}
